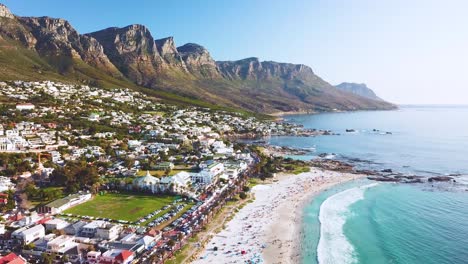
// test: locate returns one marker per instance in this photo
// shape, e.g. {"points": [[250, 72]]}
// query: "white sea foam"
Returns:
{"points": [[333, 247]]}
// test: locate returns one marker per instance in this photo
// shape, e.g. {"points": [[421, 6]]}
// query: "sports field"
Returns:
{"points": [[129, 207]]}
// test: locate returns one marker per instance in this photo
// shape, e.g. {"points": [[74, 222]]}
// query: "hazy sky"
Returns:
{"points": [[408, 51]]}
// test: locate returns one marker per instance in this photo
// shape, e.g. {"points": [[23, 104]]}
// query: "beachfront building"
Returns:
{"points": [[210, 171]]}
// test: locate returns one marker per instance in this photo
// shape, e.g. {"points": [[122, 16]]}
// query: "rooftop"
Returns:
{"points": [[60, 202]]}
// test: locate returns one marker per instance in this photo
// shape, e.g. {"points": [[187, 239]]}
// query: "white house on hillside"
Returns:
{"points": [[26, 106]]}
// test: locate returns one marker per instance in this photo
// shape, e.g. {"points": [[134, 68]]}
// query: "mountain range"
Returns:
{"points": [[50, 48]]}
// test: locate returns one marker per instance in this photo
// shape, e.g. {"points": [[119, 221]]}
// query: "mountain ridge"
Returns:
{"points": [[360, 89], [130, 54]]}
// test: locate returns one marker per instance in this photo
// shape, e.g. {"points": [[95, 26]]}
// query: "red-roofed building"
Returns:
{"points": [[43, 220], [3, 198], [116, 256], [18, 216], [12, 258], [51, 125], [125, 256]]}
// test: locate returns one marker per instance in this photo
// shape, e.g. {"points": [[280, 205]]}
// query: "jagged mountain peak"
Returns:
{"points": [[166, 46], [136, 27], [191, 48], [198, 61], [134, 40], [5, 12]]}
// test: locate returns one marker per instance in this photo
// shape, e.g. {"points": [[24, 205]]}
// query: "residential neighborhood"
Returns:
{"points": [[92, 175]]}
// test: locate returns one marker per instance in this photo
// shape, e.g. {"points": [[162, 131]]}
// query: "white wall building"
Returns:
{"points": [[61, 244], [28, 235], [108, 232], [55, 224], [26, 106], [5, 184]]}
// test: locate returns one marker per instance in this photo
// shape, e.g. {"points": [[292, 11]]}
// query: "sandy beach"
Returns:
{"points": [[268, 230]]}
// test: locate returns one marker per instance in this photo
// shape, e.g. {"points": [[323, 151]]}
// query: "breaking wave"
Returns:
{"points": [[333, 247]]}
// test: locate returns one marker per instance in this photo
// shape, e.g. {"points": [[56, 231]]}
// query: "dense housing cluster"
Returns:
{"points": [[113, 176]]}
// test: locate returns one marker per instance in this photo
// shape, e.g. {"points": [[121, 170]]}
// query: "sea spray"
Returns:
{"points": [[333, 246]]}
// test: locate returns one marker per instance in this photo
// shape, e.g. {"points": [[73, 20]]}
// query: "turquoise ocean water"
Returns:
{"points": [[368, 222]]}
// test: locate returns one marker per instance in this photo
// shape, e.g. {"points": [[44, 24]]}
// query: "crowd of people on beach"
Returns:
{"points": [[268, 229]]}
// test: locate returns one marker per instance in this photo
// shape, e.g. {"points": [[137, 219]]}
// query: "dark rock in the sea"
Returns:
{"points": [[383, 179], [366, 172], [440, 179], [387, 170], [350, 130], [388, 133], [357, 160], [413, 181], [411, 177], [334, 165]]}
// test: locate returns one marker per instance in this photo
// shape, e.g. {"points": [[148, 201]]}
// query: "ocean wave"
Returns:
{"points": [[333, 247]]}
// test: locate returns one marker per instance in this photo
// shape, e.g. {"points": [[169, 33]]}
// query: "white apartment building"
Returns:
{"points": [[28, 235]]}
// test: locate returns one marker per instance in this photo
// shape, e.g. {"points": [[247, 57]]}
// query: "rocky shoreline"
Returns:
{"points": [[385, 175]]}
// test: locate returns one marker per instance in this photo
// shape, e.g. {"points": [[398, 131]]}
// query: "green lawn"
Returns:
{"points": [[301, 169], [254, 181], [129, 207]]}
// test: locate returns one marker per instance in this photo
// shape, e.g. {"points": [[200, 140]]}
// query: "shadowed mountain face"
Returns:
{"points": [[50, 48]]}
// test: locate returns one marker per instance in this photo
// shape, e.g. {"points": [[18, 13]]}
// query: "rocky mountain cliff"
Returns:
{"points": [[254, 69], [45, 48], [198, 61], [57, 40], [5, 12], [360, 89]]}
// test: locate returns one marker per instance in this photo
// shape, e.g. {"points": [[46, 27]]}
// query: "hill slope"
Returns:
{"points": [[50, 48]]}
